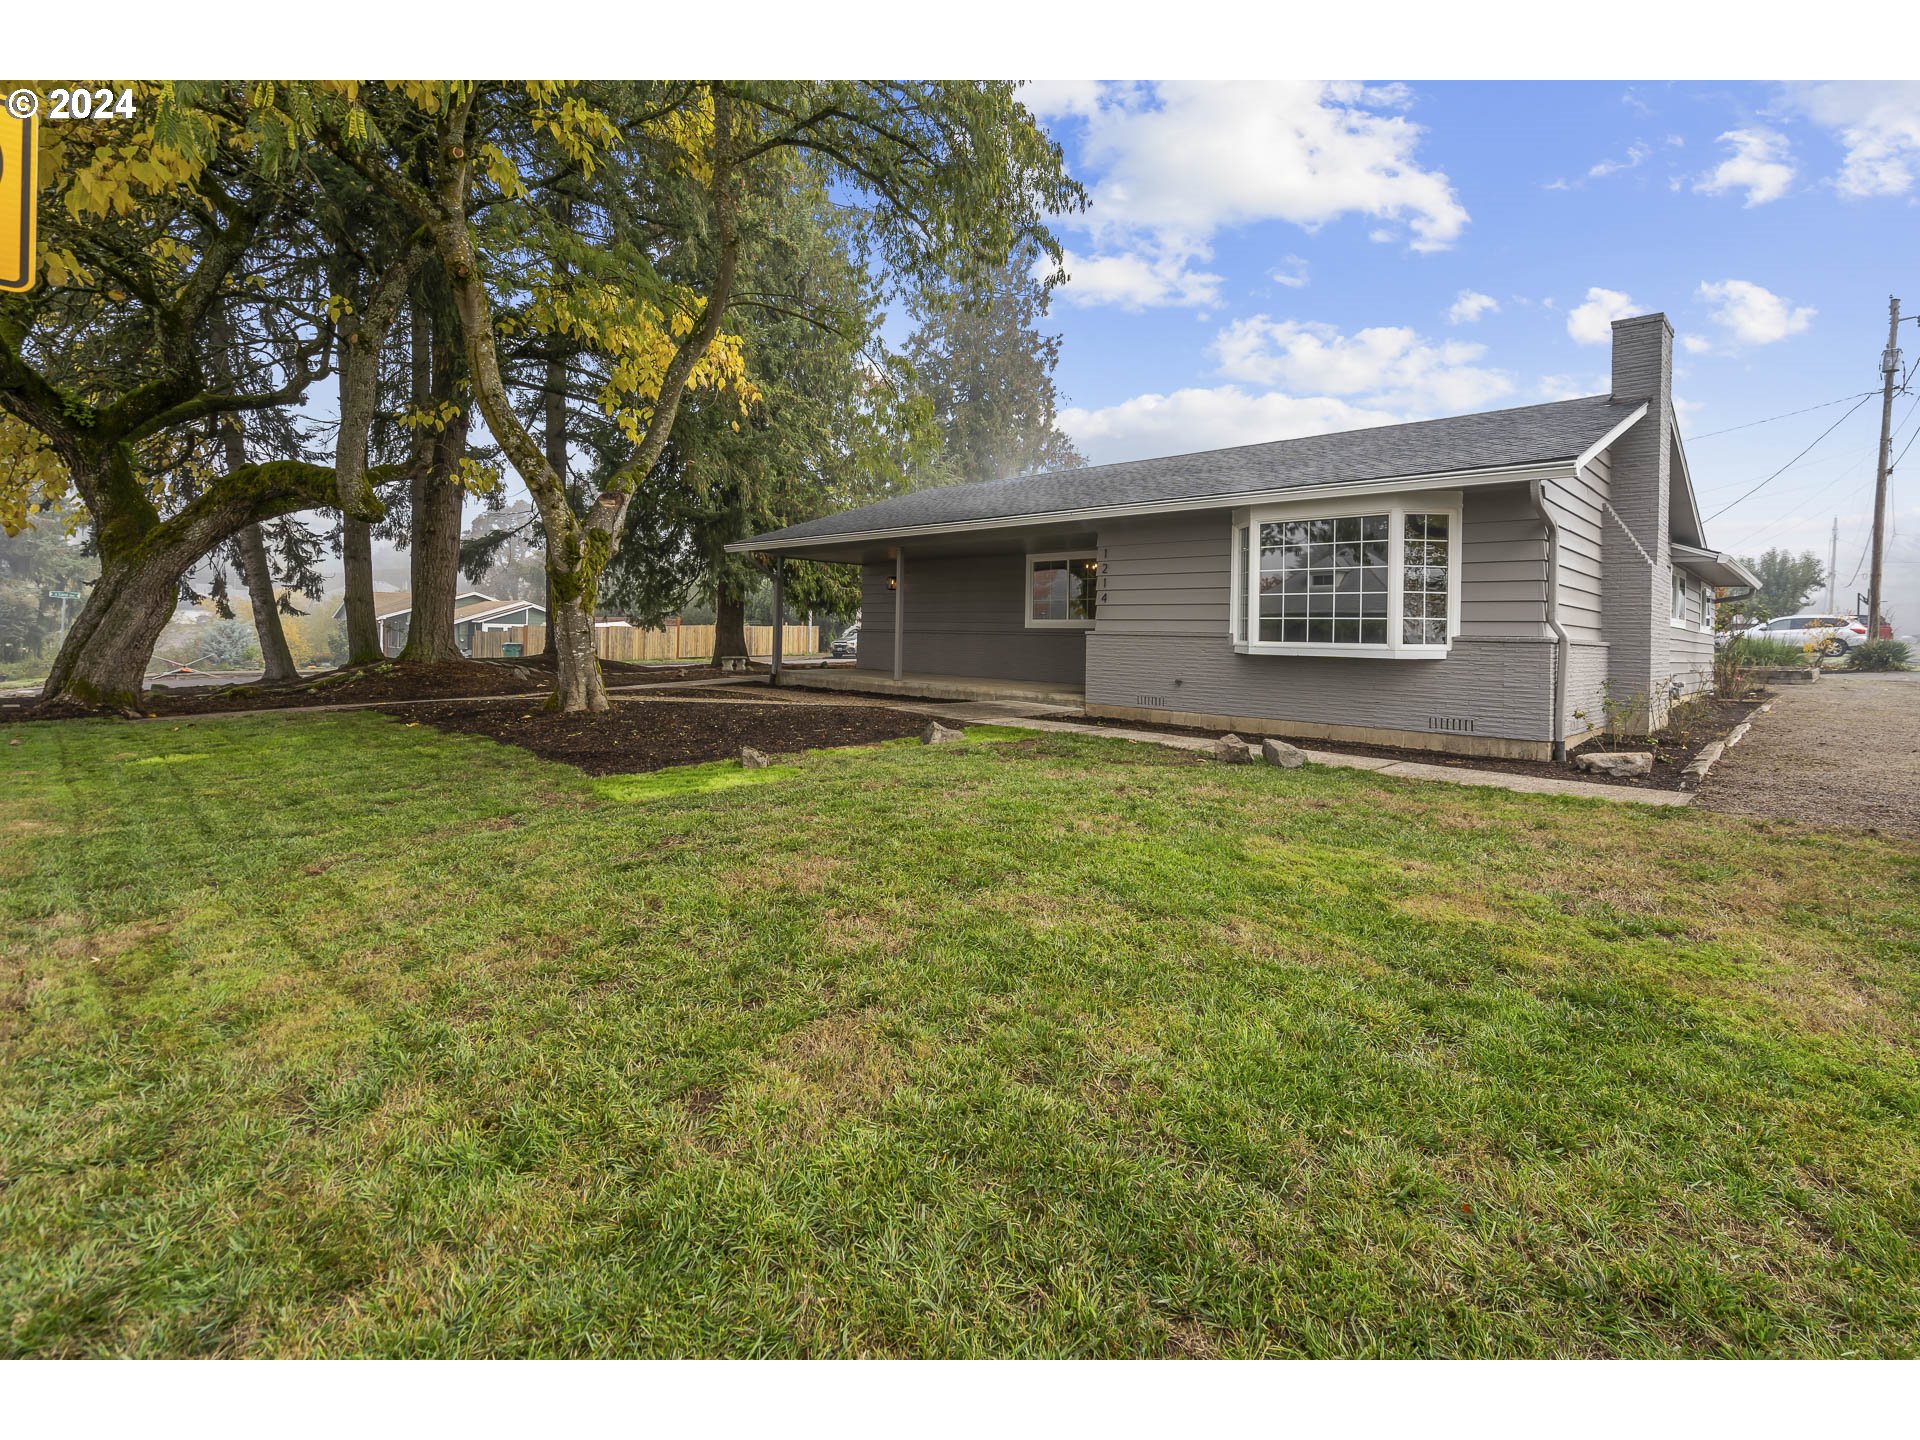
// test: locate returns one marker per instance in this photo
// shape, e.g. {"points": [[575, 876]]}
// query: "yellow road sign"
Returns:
{"points": [[19, 202]]}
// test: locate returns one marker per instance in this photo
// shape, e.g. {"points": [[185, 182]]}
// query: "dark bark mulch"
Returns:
{"points": [[650, 734], [387, 680], [1693, 728]]}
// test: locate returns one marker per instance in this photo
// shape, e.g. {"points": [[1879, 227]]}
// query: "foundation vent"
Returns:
{"points": [[1151, 702], [1450, 724]]}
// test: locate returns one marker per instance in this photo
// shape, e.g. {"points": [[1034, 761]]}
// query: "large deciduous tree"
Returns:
{"points": [[950, 177], [166, 235]]}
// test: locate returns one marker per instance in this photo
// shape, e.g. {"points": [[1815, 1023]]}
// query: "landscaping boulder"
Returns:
{"points": [[752, 759], [938, 734], [1278, 752], [1231, 749], [1620, 763]]}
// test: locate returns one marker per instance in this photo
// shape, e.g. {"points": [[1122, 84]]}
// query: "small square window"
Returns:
{"points": [[1062, 589]]}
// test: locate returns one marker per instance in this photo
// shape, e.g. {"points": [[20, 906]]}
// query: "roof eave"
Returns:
{"points": [[1716, 567], [1338, 489]]}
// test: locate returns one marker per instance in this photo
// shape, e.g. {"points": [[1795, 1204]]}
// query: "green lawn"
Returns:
{"points": [[342, 1036]]}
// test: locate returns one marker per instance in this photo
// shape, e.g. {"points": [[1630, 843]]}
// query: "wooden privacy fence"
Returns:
{"points": [[623, 642]]}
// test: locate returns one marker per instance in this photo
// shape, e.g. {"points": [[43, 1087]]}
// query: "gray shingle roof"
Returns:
{"points": [[1532, 434]]}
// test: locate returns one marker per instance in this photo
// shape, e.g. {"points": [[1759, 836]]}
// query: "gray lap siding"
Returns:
{"points": [[1162, 641], [965, 615]]}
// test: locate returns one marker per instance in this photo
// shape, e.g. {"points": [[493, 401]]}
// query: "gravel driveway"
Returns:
{"points": [[1843, 751]]}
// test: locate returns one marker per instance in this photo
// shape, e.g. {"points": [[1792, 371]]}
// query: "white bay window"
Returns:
{"points": [[1374, 577]]}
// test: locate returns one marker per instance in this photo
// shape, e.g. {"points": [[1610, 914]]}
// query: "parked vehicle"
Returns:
{"points": [[847, 644], [1826, 633]]}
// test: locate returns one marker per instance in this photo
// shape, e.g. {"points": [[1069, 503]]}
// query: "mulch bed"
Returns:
{"points": [[386, 681], [1693, 728], [638, 735]]}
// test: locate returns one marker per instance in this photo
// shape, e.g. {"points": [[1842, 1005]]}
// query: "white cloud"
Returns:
{"points": [[1177, 162], [1696, 344], [1393, 367], [1292, 273], [1207, 418], [1573, 387], [1591, 323], [1294, 378], [1469, 306], [1752, 314], [1136, 281], [1761, 164], [1060, 97], [1879, 123], [1636, 152]]}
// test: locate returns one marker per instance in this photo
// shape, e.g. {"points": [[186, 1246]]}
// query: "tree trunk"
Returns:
{"points": [[103, 664], [363, 629], [438, 498], [275, 656], [276, 659], [435, 562], [555, 435], [579, 685], [729, 624]]}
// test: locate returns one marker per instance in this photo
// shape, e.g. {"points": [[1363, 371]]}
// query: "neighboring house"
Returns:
{"points": [[394, 610], [1487, 584], [494, 615]]}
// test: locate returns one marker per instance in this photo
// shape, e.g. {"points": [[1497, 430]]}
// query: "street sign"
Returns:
{"points": [[19, 199], [63, 594]]}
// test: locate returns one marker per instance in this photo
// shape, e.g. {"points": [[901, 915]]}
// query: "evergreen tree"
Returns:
{"points": [[979, 355]]}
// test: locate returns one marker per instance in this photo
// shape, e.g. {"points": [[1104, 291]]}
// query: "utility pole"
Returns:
{"points": [[1833, 561], [1889, 366]]}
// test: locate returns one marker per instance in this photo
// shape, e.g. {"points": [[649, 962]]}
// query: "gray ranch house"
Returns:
{"points": [[1485, 584]]}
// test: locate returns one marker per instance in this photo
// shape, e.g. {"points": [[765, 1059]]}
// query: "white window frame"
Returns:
{"points": [[1244, 570], [1695, 604], [1026, 589]]}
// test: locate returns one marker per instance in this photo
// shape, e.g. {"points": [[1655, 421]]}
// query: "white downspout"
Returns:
{"points": [[1563, 648]]}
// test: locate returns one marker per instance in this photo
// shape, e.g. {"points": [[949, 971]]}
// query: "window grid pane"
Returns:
{"points": [[1323, 582], [1062, 589], [1426, 556]]}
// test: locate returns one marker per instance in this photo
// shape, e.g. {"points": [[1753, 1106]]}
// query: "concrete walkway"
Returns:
{"points": [[1059, 719], [999, 713]]}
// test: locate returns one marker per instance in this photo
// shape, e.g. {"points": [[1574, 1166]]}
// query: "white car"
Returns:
{"points": [[1827, 633]]}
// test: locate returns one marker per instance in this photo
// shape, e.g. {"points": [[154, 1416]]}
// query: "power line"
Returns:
{"points": [[1909, 445], [1824, 404], [1862, 560], [1791, 463], [1816, 494]]}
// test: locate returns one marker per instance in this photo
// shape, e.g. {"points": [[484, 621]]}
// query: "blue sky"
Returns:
{"points": [[1264, 259]]}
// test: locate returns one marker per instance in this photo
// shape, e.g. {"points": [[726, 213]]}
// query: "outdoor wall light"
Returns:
{"points": [[893, 582]]}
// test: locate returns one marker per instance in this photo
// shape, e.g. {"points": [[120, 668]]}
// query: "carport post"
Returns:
{"points": [[779, 614], [899, 608]]}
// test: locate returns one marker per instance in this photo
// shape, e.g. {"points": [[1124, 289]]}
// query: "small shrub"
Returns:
{"points": [[1879, 655], [1744, 653]]}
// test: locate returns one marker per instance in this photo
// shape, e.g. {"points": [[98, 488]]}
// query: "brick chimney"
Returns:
{"points": [[1638, 595]]}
